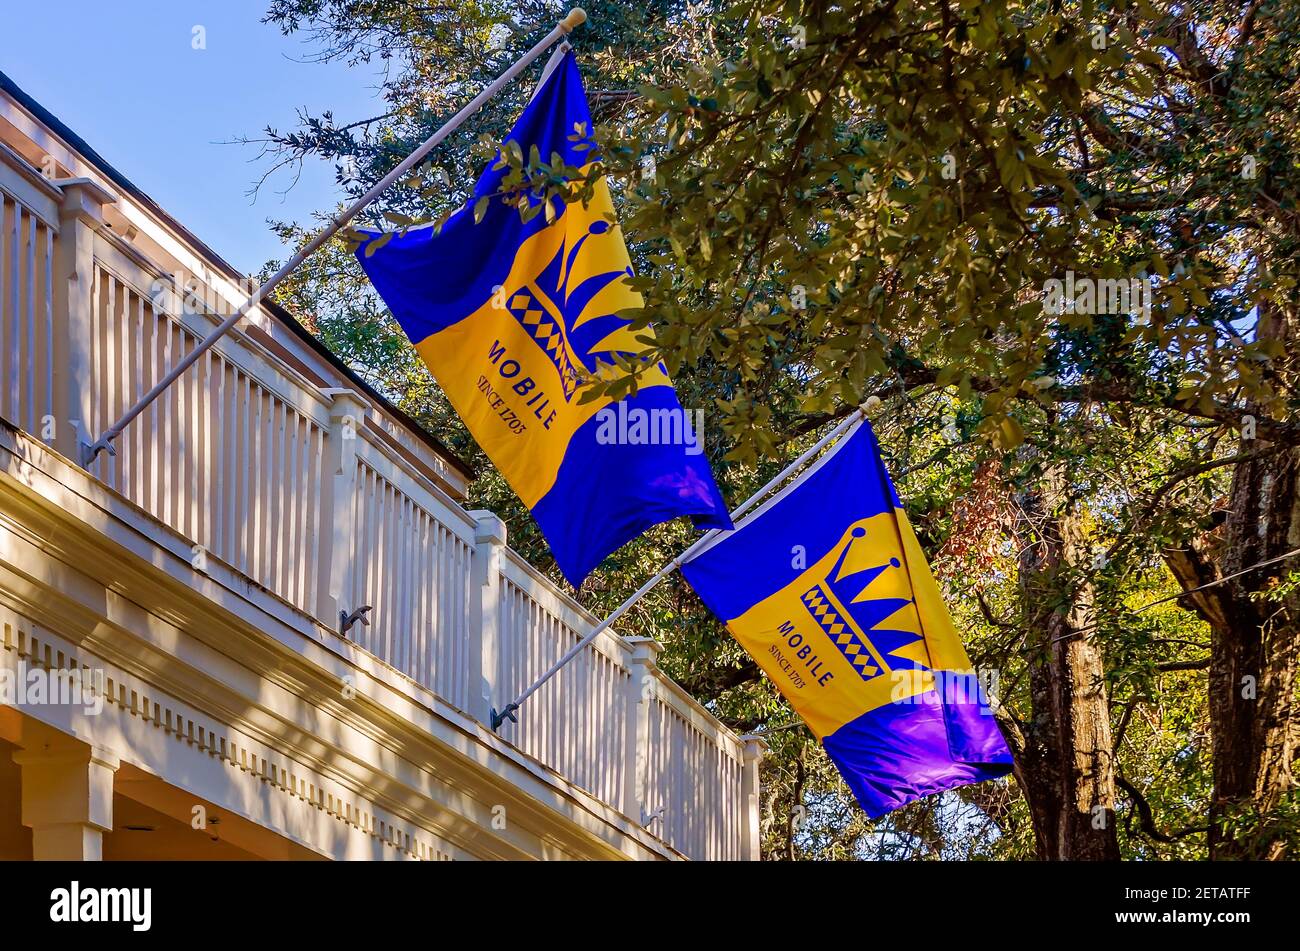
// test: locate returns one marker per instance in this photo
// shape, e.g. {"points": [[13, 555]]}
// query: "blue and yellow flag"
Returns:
{"points": [[510, 315], [827, 588]]}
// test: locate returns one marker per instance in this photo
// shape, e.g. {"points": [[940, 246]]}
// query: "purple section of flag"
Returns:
{"points": [[903, 751]]}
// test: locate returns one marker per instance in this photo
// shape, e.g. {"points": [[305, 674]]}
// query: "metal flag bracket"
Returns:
{"points": [[502, 716], [346, 620]]}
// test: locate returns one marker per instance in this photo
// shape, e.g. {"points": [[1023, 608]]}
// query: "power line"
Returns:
{"points": [[1182, 594], [1235, 574]]}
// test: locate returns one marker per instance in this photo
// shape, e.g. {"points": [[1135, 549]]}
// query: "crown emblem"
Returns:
{"points": [[842, 605], [525, 307], [561, 311]]}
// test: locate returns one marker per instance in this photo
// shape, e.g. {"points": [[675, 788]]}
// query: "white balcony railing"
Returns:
{"points": [[269, 460], [27, 300]]}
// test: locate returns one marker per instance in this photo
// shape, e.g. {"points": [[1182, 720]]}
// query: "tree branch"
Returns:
{"points": [[1146, 819]]}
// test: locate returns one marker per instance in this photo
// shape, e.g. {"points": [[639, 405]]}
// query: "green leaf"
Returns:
{"points": [[378, 242]]}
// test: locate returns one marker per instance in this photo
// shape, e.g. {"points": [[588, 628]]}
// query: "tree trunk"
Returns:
{"points": [[1255, 647], [1065, 760], [1253, 661]]}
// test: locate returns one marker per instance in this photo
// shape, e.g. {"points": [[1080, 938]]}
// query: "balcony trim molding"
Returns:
{"points": [[45, 197], [195, 623], [131, 704]]}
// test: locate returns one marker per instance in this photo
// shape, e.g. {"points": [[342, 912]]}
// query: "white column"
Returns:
{"points": [[81, 214], [489, 542], [642, 689], [347, 418], [67, 800], [752, 804]]}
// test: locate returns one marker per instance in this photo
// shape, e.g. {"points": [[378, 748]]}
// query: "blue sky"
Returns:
{"points": [[127, 79]]}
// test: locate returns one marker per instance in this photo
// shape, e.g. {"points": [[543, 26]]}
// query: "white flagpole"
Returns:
{"points": [[577, 16], [556, 56], [508, 711]]}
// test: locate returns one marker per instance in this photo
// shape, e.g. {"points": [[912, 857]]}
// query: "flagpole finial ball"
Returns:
{"points": [[577, 16], [871, 402]]}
